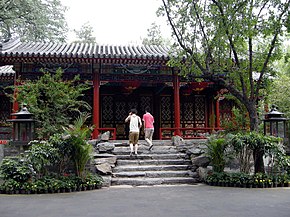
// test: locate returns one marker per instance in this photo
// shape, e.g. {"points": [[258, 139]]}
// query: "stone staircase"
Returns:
{"points": [[163, 165]]}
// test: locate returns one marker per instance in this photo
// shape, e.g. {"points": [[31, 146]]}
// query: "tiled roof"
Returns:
{"points": [[16, 49], [6, 72]]}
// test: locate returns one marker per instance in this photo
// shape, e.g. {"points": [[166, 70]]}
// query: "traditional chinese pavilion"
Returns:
{"points": [[122, 77]]}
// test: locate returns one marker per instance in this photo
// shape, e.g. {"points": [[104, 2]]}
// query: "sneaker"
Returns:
{"points": [[131, 154], [151, 146]]}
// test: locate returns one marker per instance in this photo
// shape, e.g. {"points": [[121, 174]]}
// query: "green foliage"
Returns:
{"points": [[216, 147], [34, 170], [228, 42], [77, 135], [85, 34], [153, 36], [246, 144], [259, 180], [52, 101], [51, 184], [33, 20], [64, 150], [254, 141], [240, 121], [17, 169], [40, 155], [243, 146], [280, 93]]}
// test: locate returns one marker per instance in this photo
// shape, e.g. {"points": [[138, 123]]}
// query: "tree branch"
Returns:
{"points": [[179, 39], [232, 45], [272, 46]]}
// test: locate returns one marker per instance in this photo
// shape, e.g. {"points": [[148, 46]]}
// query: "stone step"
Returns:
{"points": [[165, 164], [137, 161], [153, 181], [128, 168], [120, 143], [154, 174], [149, 156], [142, 149]]}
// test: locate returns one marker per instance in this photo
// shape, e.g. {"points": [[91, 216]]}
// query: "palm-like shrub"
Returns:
{"points": [[216, 147], [77, 135]]}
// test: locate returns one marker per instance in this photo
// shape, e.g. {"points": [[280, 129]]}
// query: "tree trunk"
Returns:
{"points": [[257, 153], [258, 161]]}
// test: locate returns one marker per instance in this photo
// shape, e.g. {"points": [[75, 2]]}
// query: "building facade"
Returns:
{"points": [[123, 77]]}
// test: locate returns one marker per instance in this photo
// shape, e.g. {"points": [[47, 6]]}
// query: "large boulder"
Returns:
{"points": [[105, 136], [104, 168], [110, 160], [107, 181], [177, 141], [105, 147], [200, 161], [203, 172]]}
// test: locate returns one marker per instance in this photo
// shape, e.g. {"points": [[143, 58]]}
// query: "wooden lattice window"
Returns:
{"points": [[225, 111], [166, 111]]}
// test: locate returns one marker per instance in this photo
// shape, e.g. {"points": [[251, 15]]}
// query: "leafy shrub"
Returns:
{"points": [[52, 100], [64, 152], [17, 169], [53, 184], [254, 144], [40, 155]]}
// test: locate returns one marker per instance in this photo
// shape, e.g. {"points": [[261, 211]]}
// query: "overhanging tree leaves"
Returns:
{"points": [[34, 20], [228, 42], [280, 86], [85, 34], [153, 36]]}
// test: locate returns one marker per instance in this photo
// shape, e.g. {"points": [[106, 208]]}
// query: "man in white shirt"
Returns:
{"points": [[134, 129]]}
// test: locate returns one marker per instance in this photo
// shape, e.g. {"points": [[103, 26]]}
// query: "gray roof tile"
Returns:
{"points": [[17, 49], [6, 71]]}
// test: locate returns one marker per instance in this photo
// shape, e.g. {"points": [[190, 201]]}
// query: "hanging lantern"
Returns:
{"points": [[23, 127], [130, 86], [186, 91], [199, 86]]}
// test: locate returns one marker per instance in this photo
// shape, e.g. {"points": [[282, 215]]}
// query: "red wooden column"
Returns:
{"points": [[96, 103], [211, 118], [176, 104], [218, 121], [15, 104]]}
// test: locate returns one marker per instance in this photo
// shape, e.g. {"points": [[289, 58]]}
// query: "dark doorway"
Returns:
{"points": [[115, 108]]}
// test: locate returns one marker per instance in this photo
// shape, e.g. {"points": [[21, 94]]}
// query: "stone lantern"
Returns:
{"points": [[23, 127], [275, 124]]}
